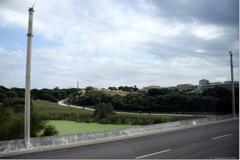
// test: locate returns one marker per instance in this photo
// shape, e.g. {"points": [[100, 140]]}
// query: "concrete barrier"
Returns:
{"points": [[54, 142]]}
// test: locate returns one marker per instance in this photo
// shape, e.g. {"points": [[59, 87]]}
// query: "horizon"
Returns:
{"points": [[119, 43], [80, 87]]}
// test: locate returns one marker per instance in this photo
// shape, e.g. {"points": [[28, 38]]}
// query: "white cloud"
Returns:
{"points": [[110, 43], [200, 50], [221, 79], [208, 32], [3, 51]]}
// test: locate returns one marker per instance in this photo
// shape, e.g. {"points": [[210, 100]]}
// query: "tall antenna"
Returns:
{"points": [[34, 3]]}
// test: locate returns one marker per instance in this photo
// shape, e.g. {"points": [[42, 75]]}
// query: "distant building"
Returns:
{"points": [[229, 82], [151, 87], [226, 84], [203, 82], [144, 90]]}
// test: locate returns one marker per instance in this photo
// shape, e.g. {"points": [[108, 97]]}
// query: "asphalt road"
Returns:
{"points": [[219, 140]]}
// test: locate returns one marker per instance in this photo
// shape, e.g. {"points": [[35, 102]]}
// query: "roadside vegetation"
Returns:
{"points": [[45, 110], [12, 121], [104, 114], [12, 109]]}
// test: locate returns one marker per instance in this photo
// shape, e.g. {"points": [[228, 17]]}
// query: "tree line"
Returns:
{"points": [[53, 95], [214, 100]]}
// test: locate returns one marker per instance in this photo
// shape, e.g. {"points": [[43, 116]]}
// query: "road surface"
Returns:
{"points": [[61, 103], [219, 140]]}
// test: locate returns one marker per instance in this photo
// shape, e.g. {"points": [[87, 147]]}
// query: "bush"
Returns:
{"points": [[49, 130], [16, 103], [103, 111], [2, 97], [12, 122], [36, 122]]}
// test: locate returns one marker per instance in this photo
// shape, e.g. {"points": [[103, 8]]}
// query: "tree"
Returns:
{"points": [[222, 98], [36, 122], [117, 102], [15, 103], [128, 89], [89, 88], [11, 124], [96, 97], [12, 94], [217, 92], [112, 88], [12, 121], [157, 91], [103, 111], [2, 97], [135, 88]]}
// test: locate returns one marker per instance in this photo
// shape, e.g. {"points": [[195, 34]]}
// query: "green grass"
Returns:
{"points": [[45, 107], [68, 127], [49, 111], [53, 111]]}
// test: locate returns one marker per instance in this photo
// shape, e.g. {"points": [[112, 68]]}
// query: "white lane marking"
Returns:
{"points": [[147, 155], [226, 135]]}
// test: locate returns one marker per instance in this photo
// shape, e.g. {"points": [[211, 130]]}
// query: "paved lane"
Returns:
{"points": [[219, 140]]}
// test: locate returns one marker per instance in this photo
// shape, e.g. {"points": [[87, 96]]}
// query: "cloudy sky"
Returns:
{"points": [[119, 42]]}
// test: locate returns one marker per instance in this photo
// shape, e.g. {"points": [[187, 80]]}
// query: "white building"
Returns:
{"points": [[226, 84]]}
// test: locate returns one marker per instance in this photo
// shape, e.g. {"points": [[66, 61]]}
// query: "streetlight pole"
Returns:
{"points": [[28, 79], [232, 81]]}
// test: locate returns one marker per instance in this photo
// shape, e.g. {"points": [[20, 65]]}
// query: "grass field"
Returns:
{"points": [[46, 107], [68, 127], [53, 111]]}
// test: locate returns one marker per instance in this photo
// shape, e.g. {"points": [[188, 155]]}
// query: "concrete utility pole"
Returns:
{"points": [[77, 85], [28, 79], [233, 92]]}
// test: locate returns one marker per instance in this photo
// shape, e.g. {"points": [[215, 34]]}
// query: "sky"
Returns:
{"points": [[106, 43]]}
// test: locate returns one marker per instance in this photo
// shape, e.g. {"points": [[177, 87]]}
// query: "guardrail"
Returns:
{"points": [[54, 142]]}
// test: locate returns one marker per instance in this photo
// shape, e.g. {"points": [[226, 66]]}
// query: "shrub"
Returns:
{"points": [[49, 130], [103, 111], [12, 122]]}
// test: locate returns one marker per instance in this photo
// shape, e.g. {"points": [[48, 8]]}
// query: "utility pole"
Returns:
{"points": [[28, 79], [77, 85], [232, 81]]}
